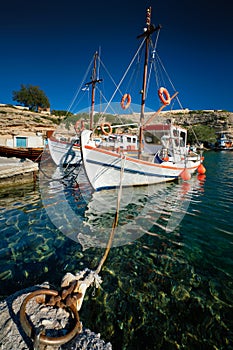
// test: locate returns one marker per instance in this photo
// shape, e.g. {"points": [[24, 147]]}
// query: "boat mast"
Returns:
{"points": [[148, 31], [93, 82]]}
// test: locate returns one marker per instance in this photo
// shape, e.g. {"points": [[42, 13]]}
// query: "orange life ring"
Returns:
{"points": [[104, 126], [164, 96], [126, 98]]}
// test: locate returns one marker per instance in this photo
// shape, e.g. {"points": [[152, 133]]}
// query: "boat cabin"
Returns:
{"points": [[167, 136], [122, 141]]}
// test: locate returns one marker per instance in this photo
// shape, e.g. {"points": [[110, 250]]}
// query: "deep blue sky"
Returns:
{"points": [[50, 43]]}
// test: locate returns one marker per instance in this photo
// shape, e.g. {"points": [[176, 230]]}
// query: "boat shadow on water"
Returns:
{"points": [[87, 216]]}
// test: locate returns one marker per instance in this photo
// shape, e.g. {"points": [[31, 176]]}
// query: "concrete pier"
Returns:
{"points": [[14, 171], [13, 337]]}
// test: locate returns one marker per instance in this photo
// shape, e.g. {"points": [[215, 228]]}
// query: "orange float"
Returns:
{"points": [[104, 126], [201, 169], [125, 101], [164, 96]]}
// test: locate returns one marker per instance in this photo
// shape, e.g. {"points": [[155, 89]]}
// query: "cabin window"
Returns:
{"points": [[182, 138], [21, 141], [151, 138]]}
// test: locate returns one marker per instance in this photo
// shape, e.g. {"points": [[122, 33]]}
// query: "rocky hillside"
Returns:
{"points": [[203, 125], [15, 118], [217, 119]]}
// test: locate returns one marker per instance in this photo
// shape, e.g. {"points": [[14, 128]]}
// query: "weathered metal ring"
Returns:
{"points": [[44, 339]]}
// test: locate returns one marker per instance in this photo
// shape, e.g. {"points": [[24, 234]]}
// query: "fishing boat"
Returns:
{"points": [[224, 141], [32, 153], [64, 153], [64, 144], [162, 153]]}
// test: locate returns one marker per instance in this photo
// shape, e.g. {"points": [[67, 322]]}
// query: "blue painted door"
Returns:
{"points": [[21, 142]]}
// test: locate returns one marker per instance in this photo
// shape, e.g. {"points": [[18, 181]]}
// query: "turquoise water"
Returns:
{"points": [[168, 280]]}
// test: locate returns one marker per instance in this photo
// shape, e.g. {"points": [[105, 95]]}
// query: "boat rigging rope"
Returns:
{"points": [[118, 86], [169, 79], [77, 165], [152, 59], [80, 87], [111, 78]]}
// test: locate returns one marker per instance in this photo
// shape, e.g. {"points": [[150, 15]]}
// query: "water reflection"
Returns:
{"points": [[87, 217], [170, 288]]}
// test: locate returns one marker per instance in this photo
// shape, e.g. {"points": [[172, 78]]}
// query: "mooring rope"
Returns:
{"points": [[73, 289], [50, 178], [115, 222], [83, 279]]}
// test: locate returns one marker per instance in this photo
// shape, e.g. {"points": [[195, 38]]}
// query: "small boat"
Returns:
{"points": [[162, 153], [68, 153], [64, 153], [32, 153], [224, 141]]}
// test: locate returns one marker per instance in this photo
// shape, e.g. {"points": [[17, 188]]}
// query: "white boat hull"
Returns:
{"points": [[64, 153], [107, 169]]}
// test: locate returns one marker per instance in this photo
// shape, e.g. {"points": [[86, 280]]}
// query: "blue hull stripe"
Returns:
{"points": [[118, 168]]}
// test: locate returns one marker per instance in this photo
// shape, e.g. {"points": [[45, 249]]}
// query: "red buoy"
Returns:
{"points": [[185, 175], [201, 169]]}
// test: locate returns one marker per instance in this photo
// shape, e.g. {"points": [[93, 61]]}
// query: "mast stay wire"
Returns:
{"points": [[169, 79], [123, 77], [155, 55], [152, 59], [81, 85]]}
